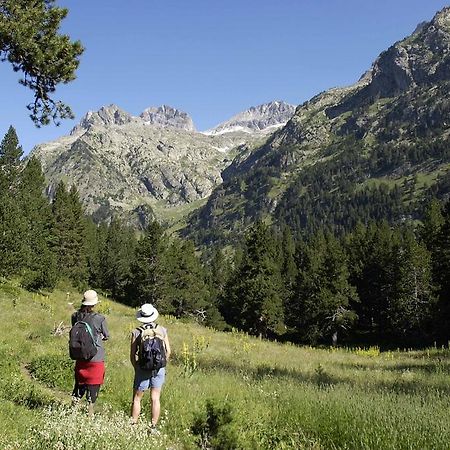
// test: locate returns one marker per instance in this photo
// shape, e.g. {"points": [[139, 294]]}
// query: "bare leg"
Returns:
{"points": [[90, 408], [136, 405], [156, 406]]}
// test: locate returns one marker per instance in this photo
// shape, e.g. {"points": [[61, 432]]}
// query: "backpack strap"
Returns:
{"points": [[160, 331], [89, 328]]}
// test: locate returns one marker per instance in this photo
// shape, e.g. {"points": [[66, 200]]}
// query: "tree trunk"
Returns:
{"points": [[334, 339]]}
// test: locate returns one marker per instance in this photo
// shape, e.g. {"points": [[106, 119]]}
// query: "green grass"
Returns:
{"points": [[424, 178], [281, 396]]}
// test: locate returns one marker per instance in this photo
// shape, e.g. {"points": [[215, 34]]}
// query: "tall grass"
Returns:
{"points": [[279, 396]]}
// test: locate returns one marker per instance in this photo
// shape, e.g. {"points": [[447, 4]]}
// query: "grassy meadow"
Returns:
{"points": [[223, 390]]}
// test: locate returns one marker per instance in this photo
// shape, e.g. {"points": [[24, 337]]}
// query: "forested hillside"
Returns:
{"points": [[378, 149], [374, 283]]}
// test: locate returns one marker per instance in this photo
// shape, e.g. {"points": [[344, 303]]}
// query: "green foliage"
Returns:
{"points": [[10, 154], [31, 42], [185, 289], [252, 300], [11, 224], [441, 257], [25, 219], [55, 371], [14, 388], [412, 298], [117, 257], [70, 231], [213, 427], [39, 259], [282, 396], [190, 353], [147, 268], [323, 296]]}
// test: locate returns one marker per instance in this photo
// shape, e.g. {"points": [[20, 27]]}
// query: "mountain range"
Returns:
{"points": [[152, 166], [377, 149]]}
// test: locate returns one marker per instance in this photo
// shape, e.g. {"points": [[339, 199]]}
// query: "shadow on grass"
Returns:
{"points": [[437, 366], [401, 384]]}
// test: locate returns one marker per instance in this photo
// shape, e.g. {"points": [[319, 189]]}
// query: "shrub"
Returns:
{"points": [[213, 427], [53, 370]]}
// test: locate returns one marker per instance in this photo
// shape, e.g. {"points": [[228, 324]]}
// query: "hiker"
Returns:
{"points": [[89, 371], [149, 371]]}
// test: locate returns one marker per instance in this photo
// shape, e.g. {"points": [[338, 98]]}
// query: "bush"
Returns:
{"points": [[56, 371], [213, 427]]}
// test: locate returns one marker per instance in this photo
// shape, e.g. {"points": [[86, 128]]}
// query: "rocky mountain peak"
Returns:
{"points": [[421, 59], [166, 116], [105, 116], [442, 19], [265, 117]]}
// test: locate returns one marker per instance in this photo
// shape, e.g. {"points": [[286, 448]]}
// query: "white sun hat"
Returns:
{"points": [[90, 298], [147, 313]]}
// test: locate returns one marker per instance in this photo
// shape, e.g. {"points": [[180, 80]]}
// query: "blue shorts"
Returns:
{"points": [[144, 380]]}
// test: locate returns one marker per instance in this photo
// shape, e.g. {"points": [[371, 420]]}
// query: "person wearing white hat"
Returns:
{"points": [[144, 377], [89, 375]]}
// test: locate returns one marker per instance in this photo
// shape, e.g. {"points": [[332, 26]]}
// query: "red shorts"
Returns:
{"points": [[87, 372]]}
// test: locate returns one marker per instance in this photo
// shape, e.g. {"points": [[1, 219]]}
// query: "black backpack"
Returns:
{"points": [[152, 351], [81, 341]]}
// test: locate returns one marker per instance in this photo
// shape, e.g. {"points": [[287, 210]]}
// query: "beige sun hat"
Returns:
{"points": [[147, 313], [90, 298]]}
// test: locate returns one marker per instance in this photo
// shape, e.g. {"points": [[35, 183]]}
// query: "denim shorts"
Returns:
{"points": [[145, 379]]}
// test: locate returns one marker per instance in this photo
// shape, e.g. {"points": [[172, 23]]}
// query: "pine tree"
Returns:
{"points": [[252, 300], [372, 268], [411, 299], [185, 289], [96, 236], [70, 234], [287, 264], [12, 227], [117, 259], [443, 275], [430, 234], [10, 164], [148, 269], [31, 42], [39, 260], [218, 271], [321, 303]]}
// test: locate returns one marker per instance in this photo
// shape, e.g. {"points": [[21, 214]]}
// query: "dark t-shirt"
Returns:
{"points": [[100, 329]]}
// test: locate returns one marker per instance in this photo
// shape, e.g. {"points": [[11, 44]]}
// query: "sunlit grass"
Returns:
{"points": [[282, 396]]}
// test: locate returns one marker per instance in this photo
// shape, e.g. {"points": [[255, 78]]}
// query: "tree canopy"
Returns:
{"points": [[30, 40]]}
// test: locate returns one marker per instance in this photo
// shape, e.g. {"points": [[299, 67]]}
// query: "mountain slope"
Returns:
{"points": [[362, 152], [139, 168]]}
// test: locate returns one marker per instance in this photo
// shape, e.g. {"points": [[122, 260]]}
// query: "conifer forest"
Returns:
{"points": [[376, 283]]}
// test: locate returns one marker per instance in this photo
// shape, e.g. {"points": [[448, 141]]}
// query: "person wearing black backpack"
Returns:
{"points": [[89, 329], [149, 352]]}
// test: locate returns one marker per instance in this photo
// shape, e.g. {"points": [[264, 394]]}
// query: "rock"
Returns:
{"points": [[166, 116]]}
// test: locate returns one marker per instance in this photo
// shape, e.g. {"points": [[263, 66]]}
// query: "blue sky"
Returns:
{"points": [[213, 59]]}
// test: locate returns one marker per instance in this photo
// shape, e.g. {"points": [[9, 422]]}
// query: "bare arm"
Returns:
{"points": [[167, 345], [133, 349], [105, 332]]}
